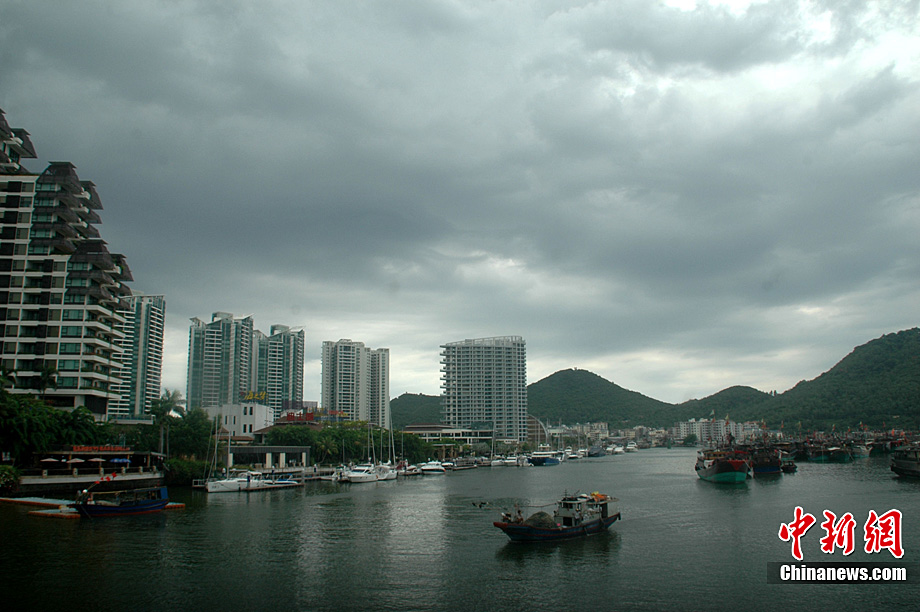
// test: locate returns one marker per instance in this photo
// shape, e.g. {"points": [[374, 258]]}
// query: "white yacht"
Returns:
{"points": [[433, 468], [237, 480], [364, 472]]}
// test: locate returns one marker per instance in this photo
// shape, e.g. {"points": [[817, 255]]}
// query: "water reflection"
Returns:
{"points": [[593, 550]]}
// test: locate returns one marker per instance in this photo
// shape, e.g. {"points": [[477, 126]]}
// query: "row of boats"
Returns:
{"points": [[737, 464]]}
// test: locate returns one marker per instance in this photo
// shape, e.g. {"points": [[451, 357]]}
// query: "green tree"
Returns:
{"points": [[7, 378], [190, 435], [47, 379], [162, 409]]}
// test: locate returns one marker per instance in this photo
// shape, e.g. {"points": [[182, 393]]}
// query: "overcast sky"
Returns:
{"points": [[678, 196]]}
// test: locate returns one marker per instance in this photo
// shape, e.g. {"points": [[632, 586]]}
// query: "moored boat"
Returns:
{"points": [[235, 480], [787, 465], [575, 516], [404, 468], [905, 461], [364, 472], [723, 466], [540, 458], [859, 451], [433, 467], [121, 503], [766, 462]]}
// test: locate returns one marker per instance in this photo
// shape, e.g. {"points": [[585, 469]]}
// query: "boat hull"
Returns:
{"points": [[519, 532], [89, 509], [541, 461], [906, 462], [726, 471]]}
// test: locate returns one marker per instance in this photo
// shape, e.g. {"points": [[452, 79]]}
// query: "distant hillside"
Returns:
{"points": [[734, 402], [411, 408], [878, 385], [580, 396]]}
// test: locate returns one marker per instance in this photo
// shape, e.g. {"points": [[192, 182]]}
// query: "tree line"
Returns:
{"points": [[30, 427]]}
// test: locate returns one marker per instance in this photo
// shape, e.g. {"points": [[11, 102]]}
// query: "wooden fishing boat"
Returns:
{"points": [[724, 466], [101, 504], [575, 516]]}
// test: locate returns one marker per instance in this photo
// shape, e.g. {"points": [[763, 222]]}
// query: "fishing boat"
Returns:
{"points": [[787, 464], [91, 504], [575, 516], [766, 462], [859, 451], [905, 461], [723, 466]]}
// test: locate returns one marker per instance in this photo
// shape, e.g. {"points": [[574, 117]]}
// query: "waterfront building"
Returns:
{"points": [[219, 360], [229, 361], [434, 432], [61, 291], [485, 380], [278, 367], [714, 431], [242, 419], [356, 381], [141, 356]]}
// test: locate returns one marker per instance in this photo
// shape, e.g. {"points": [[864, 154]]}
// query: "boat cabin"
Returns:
{"points": [[573, 510]]}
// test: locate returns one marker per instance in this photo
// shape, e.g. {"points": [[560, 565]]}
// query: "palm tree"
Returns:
{"points": [[7, 379], [162, 408], [47, 379]]}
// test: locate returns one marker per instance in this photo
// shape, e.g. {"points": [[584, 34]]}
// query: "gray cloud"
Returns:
{"points": [[679, 200]]}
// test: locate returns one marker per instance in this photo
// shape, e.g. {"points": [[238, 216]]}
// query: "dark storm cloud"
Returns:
{"points": [[680, 200]]}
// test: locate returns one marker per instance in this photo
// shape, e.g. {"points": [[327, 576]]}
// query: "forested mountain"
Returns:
{"points": [[410, 408], [580, 396], [877, 385]]}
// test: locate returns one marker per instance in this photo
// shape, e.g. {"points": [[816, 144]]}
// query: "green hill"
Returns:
{"points": [[734, 402], [580, 396], [877, 385], [411, 408]]}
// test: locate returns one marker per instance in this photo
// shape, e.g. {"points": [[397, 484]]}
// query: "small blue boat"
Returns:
{"points": [[121, 503], [575, 516]]}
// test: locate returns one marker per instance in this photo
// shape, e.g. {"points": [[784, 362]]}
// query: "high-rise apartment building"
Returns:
{"points": [[278, 367], [230, 362], [61, 291], [219, 360], [356, 381], [141, 357], [485, 381]]}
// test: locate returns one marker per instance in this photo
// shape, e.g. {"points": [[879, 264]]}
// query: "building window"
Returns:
{"points": [[67, 382]]}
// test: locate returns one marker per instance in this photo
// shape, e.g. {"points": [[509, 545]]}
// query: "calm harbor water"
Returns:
{"points": [[428, 543]]}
